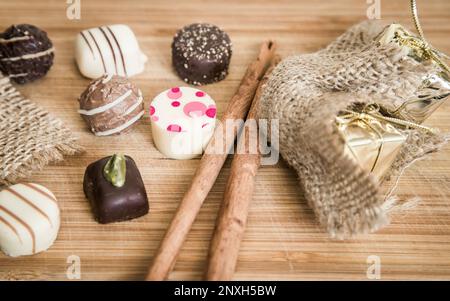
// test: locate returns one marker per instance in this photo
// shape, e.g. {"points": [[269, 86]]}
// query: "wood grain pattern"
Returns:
{"points": [[232, 217], [282, 240], [210, 166]]}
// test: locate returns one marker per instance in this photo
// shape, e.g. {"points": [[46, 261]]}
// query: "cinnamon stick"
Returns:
{"points": [[209, 168], [232, 218]]}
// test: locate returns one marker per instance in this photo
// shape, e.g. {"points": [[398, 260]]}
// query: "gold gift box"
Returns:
{"points": [[430, 96], [435, 87], [412, 45], [373, 135], [372, 142]]}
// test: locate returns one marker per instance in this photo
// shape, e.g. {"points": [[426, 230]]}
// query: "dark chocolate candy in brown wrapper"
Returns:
{"points": [[114, 204]]}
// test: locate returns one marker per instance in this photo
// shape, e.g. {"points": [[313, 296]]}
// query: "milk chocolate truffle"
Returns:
{"points": [[111, 105], [26, 53], [201, 53], [29, 219], [114, 187]]}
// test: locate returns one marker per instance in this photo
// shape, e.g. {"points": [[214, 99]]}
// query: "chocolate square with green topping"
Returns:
{"points": [[109, 202]]}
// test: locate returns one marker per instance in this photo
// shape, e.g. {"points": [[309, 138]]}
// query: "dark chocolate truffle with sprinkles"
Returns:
{"points": [[201, 53], [26, 53]]}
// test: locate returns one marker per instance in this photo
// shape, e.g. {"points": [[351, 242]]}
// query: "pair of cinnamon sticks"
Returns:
{"points": [[233, 214]]}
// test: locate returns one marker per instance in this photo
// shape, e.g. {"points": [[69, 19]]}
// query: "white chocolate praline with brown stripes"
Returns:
{"points": [[111, 49], [29, 219]]}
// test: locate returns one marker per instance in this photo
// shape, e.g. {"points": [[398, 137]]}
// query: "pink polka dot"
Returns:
{"points": [[194, 109], [199, 94], [211, 112], [175, 103], [155, 118], [152, 110], [174, 128], [174, 93]]}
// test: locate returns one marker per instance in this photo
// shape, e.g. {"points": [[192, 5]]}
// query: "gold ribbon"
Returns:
{"points": [[370, 114], [423, 49], [352, 117], [434, 87]]}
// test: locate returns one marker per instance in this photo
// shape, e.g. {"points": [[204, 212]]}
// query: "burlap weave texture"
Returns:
{"points": [[306, 92], [30, 138]]}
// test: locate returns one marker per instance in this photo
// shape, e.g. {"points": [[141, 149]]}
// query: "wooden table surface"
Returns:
{"points": [[283, 239]]}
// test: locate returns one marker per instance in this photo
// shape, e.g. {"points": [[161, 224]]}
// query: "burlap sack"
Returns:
{"points": [[29, 137], [306, 92]]}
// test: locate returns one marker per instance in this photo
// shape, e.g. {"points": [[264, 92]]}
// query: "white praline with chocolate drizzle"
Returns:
{"points": [[111, 49], [29, 219], [111, 105]]}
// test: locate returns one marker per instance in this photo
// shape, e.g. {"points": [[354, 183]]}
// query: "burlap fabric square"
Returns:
{"points": [[306, 92], [29, 137]]}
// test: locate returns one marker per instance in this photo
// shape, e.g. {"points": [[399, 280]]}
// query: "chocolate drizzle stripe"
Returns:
{"points": [[42, 192], [89, 44], [8, 224], [110, 47], [122, 126], [23, 223], [29, 56], [29, 203], [120, 49], [99, 51], [107, 78], [107, 106]]}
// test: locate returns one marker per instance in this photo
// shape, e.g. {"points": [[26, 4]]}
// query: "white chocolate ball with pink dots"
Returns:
{"points": [[183, 121]]}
